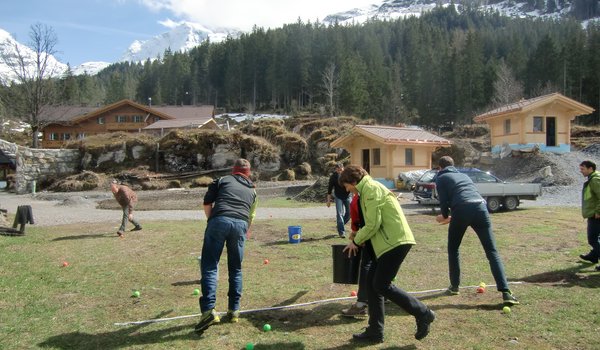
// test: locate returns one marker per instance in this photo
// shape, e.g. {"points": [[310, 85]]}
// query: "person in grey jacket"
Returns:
{"points": [[462, 206], [230, 206]]}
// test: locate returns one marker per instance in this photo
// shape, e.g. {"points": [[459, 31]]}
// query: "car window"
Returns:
{"points": [[485, 177], [428, 176]]}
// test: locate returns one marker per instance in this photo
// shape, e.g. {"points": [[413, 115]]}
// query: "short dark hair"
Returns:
{"points": [[352, 174], [588, 164], [339, 165], [445, 161]]}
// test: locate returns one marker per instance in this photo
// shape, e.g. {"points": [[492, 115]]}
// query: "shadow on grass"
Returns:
{"points": [[578, 275], [124, 337], [70, 238], [186, 283]]}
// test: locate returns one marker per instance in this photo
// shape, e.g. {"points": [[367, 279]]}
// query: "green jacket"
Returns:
{"points": [[385, 224], [590, 196]]}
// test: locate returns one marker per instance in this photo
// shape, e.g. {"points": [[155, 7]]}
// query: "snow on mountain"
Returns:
{"points": [[90, 68], [9, 48], [181, 38], [393, 9]]}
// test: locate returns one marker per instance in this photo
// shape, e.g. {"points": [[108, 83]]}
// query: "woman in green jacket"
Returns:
{"points": [[391, 240]]}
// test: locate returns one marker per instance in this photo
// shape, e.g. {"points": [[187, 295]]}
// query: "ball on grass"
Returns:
{"points": [[250, 346], [482, 284], [65, 264], [506, 310], [266, 261], [480, 290], [353, 293], [196, 291], [136, 294], [266, 327]]}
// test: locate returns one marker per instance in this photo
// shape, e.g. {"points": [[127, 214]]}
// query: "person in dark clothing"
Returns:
{"points": [[462, 206], [342, 200], [230, 206], [590, 209], [356, 222]]}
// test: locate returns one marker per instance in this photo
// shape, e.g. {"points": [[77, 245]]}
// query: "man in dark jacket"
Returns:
{"points": [[342, 200], [590, 209], [229, 205], [462, 206]]}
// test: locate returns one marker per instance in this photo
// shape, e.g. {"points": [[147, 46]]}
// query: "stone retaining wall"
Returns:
{"points": [[40, 164]]}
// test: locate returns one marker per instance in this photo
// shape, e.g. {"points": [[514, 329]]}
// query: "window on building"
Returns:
{"points": [[156, 119], [66, 136], [53, 136], [507, 127], [408, 156], [100, 120], [538, 124], [376, 156], [121, 119], [137, 119], [81, 136]]}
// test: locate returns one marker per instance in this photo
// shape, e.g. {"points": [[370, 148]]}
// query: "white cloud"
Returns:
{"points": [[244, 14]]}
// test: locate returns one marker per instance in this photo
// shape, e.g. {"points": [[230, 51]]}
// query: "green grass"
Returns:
{"points": [[45, 305]]}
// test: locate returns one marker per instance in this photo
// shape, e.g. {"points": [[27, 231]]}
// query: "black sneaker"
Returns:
{"points": [[137, 228], [207, 319], [589, 257], [452, 290], [423, 324], [509, 299], [366, 336]]}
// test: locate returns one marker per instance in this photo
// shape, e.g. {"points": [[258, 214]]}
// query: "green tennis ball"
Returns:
{"points": [[249, 346], [506, 310], [196, 291], [267, 327], [136, 294]]}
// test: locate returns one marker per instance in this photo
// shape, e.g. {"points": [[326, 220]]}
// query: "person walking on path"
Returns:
{"points": [[230, 206], [126, 198], [590, 209], [462, 206], [342, 198], [356, 222], [391, 239]]}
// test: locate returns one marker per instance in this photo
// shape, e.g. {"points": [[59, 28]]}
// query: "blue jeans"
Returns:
{"points": [[476, 216], [221, 231], [342, 213], [593, 236]]}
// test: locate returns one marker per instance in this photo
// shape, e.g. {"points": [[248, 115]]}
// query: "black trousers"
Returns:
{"points": [[379, 282]]}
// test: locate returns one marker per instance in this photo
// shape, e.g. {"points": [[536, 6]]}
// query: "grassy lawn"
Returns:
{"points": [[46, 305]]}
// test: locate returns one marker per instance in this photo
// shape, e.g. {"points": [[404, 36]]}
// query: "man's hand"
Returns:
{"points": [[130, 217], [328, 200], [351, 248], [442, 220]]}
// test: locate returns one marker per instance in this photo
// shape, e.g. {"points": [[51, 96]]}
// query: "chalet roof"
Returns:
{"points": [[525, 105], [394, 135], [179, 123], [74, 114]]}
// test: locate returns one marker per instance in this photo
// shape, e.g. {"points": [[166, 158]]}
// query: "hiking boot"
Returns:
{"points": [[366, 336], [207, 319], [423, 324], [509, 299], [137, 228], [452, 290], [120, 233], [232, 316], [589, 257], [355, 311]]}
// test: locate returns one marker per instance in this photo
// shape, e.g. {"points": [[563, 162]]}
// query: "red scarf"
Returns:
{"points": [[244, 171]]}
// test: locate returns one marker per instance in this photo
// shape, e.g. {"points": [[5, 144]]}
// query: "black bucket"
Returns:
{"points": [[345, 270]]}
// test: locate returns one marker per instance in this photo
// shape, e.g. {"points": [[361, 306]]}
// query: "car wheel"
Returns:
{"points": [[493, 204], [511, 202]]}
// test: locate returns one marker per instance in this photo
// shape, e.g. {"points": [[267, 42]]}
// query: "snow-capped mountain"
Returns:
{"points": [[89, 68], [393, 9], [9, 48], [181, 38]]}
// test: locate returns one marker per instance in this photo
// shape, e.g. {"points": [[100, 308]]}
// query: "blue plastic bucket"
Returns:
{"points": [[295, 233]]}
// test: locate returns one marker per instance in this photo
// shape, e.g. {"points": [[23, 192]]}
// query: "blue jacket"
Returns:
{"points": [[454, 188]]}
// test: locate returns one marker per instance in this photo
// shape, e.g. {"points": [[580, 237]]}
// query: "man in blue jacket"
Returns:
{"points": [[229, 205], [462, 206]]}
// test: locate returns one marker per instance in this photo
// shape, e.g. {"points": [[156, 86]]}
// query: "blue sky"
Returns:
{"points": [[95, 30]]}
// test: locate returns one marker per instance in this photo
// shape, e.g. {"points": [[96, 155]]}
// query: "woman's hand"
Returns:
{"points": [[442, 220], [351, 248]]}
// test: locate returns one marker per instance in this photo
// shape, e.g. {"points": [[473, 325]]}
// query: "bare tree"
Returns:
{"points": [[330, 83], [507, 89], [32, 88]]}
